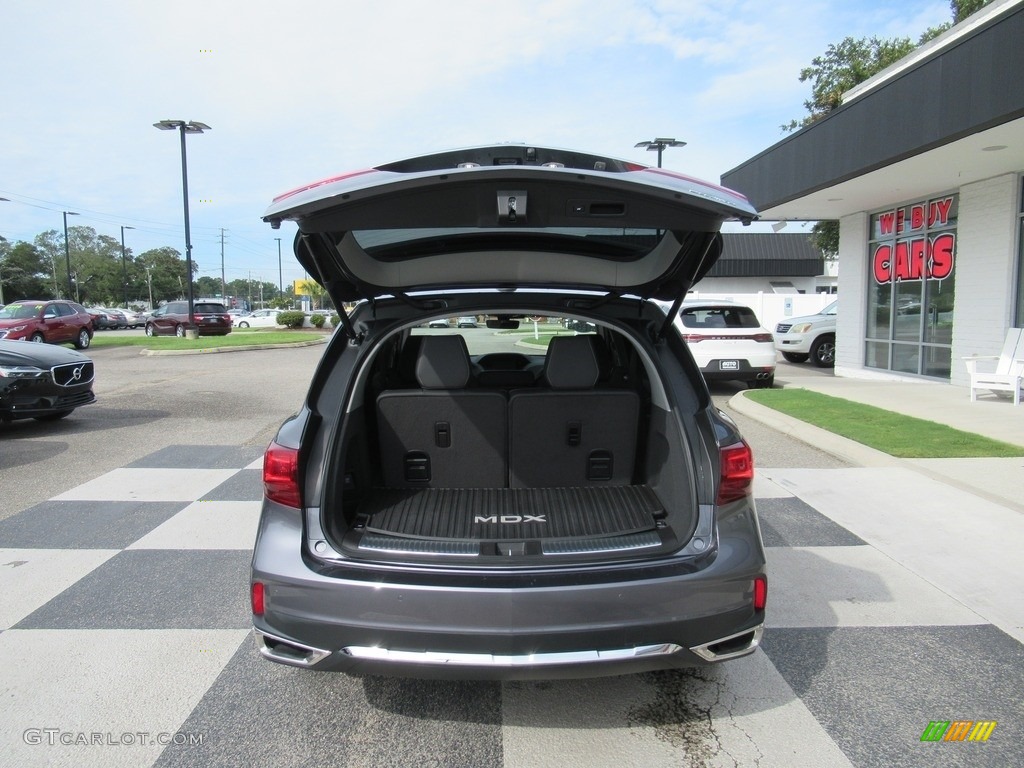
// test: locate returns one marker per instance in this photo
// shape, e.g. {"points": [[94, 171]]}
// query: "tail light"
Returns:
{"points": [[737, 472], [257, 596], [693, 338], [760, 593], [281, 475], [764, 338]]}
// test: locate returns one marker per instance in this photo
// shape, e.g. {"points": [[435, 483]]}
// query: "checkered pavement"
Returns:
{"points": [[125, 640]]}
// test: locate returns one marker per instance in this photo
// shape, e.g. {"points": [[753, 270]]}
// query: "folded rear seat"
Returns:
{"points": [[571, 433], [443, 435]]}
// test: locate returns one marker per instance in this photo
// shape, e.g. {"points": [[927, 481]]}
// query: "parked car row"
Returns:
{"points": [[54, 321]]}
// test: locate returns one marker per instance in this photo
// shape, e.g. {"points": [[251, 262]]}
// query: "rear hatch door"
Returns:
{"points": [[508, 216]]}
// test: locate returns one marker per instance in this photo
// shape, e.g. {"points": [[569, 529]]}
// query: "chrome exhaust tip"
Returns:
{"points": [[732, 646], [288, 651]]}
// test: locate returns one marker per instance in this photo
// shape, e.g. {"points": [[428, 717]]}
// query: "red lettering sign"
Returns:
{"points": [[940, 257], [917, 216], [938, 212], [914, 259], [881, 263], [886, 221]]}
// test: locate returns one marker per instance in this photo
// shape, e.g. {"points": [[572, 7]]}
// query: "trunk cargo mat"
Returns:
{"points": [[500, 514]]}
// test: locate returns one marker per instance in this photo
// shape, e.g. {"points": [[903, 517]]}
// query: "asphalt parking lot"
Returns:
{"points": [[124, 543]]}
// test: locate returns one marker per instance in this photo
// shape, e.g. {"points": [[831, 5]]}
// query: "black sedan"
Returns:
{"points": [[44, 382]]}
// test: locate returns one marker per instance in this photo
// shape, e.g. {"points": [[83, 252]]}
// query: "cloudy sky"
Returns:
{"points": [[297, 91]]}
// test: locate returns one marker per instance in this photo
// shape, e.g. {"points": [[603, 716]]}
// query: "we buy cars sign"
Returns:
{"points": [[924, 257]]}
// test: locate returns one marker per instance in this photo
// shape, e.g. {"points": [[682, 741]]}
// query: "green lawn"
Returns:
{"points": [[902, 436], [242, 337]]}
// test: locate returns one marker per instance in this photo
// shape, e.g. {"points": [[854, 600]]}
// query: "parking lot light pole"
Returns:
{"points": [[183, 127], [67, 253], [659, 146], [124, 266]]}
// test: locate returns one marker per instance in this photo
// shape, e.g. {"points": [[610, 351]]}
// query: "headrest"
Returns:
{"points": [[443, 363], [571, 363]]}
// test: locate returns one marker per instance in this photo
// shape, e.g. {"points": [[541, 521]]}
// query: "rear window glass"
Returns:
{"points": [[531, 338], [210, 308], [619, 243], [719, 317]]}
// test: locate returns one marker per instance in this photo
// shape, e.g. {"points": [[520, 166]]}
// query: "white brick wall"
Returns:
{"points": [[853, 286], [986, 251]]}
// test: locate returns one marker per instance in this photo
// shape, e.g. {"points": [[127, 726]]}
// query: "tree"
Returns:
{"points": [[208, 286], [841, 67], [847, 64], [165, 272], [23, 272]]}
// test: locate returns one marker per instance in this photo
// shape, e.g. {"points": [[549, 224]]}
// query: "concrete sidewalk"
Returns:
{"points": [[997, 480], [957, 523]]}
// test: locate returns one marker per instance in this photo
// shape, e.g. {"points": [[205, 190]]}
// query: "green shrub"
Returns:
{"points": [[291, 319], [335, 320], [318, 320]]}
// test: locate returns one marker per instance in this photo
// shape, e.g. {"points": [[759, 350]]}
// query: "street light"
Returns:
{"points": [[659, 146], [184, 127], [67, 252], [124, 266]]}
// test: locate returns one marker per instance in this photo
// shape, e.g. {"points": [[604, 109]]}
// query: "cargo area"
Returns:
{"points": [[505, 456]]}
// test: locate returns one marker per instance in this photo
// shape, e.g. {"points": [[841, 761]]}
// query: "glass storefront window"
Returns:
{"points": [[910, 299]]}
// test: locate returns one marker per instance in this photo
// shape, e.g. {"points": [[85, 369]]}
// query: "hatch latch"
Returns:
{"points": [[511, 206]]}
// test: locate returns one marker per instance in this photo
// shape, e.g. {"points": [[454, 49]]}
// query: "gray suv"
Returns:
{"points": [[558, 497]]}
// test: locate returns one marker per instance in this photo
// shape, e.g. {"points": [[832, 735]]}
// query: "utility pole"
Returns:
{"points": [[280, 274], [223, 288]]}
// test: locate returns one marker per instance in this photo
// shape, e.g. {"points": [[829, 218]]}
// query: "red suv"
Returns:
{"points": [[56, 322], [211, 319]]}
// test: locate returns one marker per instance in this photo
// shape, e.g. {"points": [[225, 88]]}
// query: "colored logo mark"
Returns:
{"points": [[958, 730]]}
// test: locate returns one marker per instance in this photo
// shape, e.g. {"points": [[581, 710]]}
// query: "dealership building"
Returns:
{"points": [[923, 166]]}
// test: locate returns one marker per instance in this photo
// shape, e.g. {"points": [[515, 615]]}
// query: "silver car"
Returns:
{"points": [[556, 498]]}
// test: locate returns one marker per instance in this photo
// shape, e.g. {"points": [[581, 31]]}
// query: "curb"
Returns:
{"points": [[816, 437], [854, 452], [217, 350]]}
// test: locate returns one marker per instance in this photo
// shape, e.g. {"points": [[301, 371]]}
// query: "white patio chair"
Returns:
{"points": [[1008, 375]]}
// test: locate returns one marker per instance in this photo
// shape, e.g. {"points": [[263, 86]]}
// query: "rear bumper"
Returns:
{"points": [[593, 662], [742, 370], [642, 617]]}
